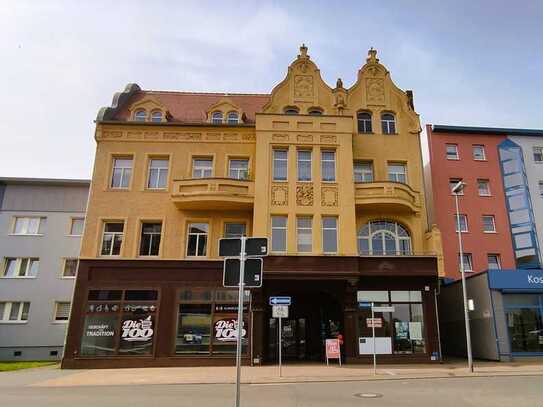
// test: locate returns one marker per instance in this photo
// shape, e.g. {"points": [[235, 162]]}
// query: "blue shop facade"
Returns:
{"points": [[506, 319]]}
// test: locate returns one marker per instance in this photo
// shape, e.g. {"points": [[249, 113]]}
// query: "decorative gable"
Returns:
{"points": [[150, 105], [225, 106]]}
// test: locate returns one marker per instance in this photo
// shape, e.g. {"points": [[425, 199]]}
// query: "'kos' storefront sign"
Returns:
{"points": [[515, 279]]}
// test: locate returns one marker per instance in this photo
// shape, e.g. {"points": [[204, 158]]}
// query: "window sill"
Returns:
{"points": [[196, 257], [280, 180], [68, 277], [490, 233], [19, 278], [390, 134], [59, 322], [453, 159], [485, 196], [27, 234], [74, 235], [155, 190], [13, 322], [475, 159], [110, 189]]}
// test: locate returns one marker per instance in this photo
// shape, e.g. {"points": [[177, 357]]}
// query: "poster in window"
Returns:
{"points": [[99, 334], [415, 331], [137, 331], [402, 330]]}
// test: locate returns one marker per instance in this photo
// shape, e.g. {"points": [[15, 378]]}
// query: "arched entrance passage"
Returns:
{"points": [[316, 314]]}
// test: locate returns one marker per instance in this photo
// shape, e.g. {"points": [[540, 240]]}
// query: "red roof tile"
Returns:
{"points": [[191, 107]]}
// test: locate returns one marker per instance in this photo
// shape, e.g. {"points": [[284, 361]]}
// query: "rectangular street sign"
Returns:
{"points": [[252, 273], [280, 311], [280, 301], [254, 246], [374, 322], [383, 309]]}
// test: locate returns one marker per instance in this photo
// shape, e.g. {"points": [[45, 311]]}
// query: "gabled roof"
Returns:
{"points": [[185, 107]]}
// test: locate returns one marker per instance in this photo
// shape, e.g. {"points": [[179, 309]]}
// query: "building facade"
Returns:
{"points": [[332, 176], [41, 224], [501, 231]]}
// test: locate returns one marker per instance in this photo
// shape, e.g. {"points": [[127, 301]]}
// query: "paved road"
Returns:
{"points": [[520, 391]]}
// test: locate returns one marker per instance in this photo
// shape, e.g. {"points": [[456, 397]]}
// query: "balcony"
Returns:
{"points": [[213, 194], [387, 195]]}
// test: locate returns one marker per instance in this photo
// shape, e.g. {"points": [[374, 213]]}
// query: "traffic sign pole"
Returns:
{"points": [[280, 345], [240, 318], [373, 333]]}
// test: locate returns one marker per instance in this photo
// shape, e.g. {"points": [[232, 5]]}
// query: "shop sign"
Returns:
{"points": [[515, 279], [374, 322], [226, 330], [139, 308], [228, 308], [137, 330], [103, 308], [332, 349], [103, 329]]}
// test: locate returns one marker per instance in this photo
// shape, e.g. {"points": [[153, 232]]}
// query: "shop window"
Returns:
{"points": [[115, 327], [304, 165], [379, 238], [197, 239], [207, 322], [524, 322]]}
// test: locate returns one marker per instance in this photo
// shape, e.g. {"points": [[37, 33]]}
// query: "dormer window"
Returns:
{"points": [[315, 112], [140, 115], [291, 110], [216, 118], [156, 116], [233, 118]]}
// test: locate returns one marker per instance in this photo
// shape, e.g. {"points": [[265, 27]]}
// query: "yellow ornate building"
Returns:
{"points": [[332, 176]]}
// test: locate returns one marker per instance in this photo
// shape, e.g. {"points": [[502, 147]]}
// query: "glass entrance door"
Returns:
{"points": [[524, 314], [293, 338]]}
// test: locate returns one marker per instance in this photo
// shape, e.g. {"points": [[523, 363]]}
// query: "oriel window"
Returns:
{"points": [[238, 168], [202, 167]]}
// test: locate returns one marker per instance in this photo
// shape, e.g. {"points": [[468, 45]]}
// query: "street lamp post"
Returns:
{"points": [[456, 190]]}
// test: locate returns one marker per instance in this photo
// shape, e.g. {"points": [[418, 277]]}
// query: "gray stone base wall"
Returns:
{"points": [[31, 353]]}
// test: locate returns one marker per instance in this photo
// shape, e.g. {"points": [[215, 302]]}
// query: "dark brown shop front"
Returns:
{"points": [[176, 313]]}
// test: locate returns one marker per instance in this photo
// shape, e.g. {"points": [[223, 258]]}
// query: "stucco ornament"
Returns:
{"points": [[329, 196], [375, 90], [279, 195], [304, 195], [303, 87]]}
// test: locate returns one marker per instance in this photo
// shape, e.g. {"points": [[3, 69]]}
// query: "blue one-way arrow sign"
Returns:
{"points": [[280, 301]]}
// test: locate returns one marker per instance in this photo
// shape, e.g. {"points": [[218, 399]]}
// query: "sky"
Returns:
{"points": [[477, 63]]}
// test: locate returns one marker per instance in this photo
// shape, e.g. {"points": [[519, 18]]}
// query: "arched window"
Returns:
{"points": [[315, 112], [140, 115], [379, 238], [216, 118], [156, 116], [232, 118], [388, 123], [291, 110], [364, 122]]}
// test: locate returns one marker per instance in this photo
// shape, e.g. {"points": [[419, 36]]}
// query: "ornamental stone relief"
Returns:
{"points": [[279, 195], [304, 195], [327, 139], [303, 87], [329, 196], [375, 90], [305, 138], [280, 137]]}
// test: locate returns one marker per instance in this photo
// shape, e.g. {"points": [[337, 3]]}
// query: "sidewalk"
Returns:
{"points": [[295, 373]]}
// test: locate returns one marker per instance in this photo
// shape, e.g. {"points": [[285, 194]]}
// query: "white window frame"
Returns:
{"points": [[498, 261], [300, 160], [306, 230], [482, 149], [217, 117], [282, 229], [4, 318], [239, 173], [18, 266], [72, 222], [232, 118], [364, 122], [333, 161], [455, 181], [26, 224], [113, 236], [56, 309], [124, 170], [483, 181], [153, 236], [493, 223], [469, 259], [335, 229], [199, 170], [373, 230], [458, 223], [156, 114], [456, 156], [387, 125], [159, 171], [365, 174], [138, 117], [275, 160], [539, 152], [395, 174], [198, 235], [64, 262]]}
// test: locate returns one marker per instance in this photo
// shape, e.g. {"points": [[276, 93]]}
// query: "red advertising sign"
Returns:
{"points": [[332, 349], [374, 322]]}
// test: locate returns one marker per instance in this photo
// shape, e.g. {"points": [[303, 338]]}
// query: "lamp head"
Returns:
{"points": [[458, 187]]}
